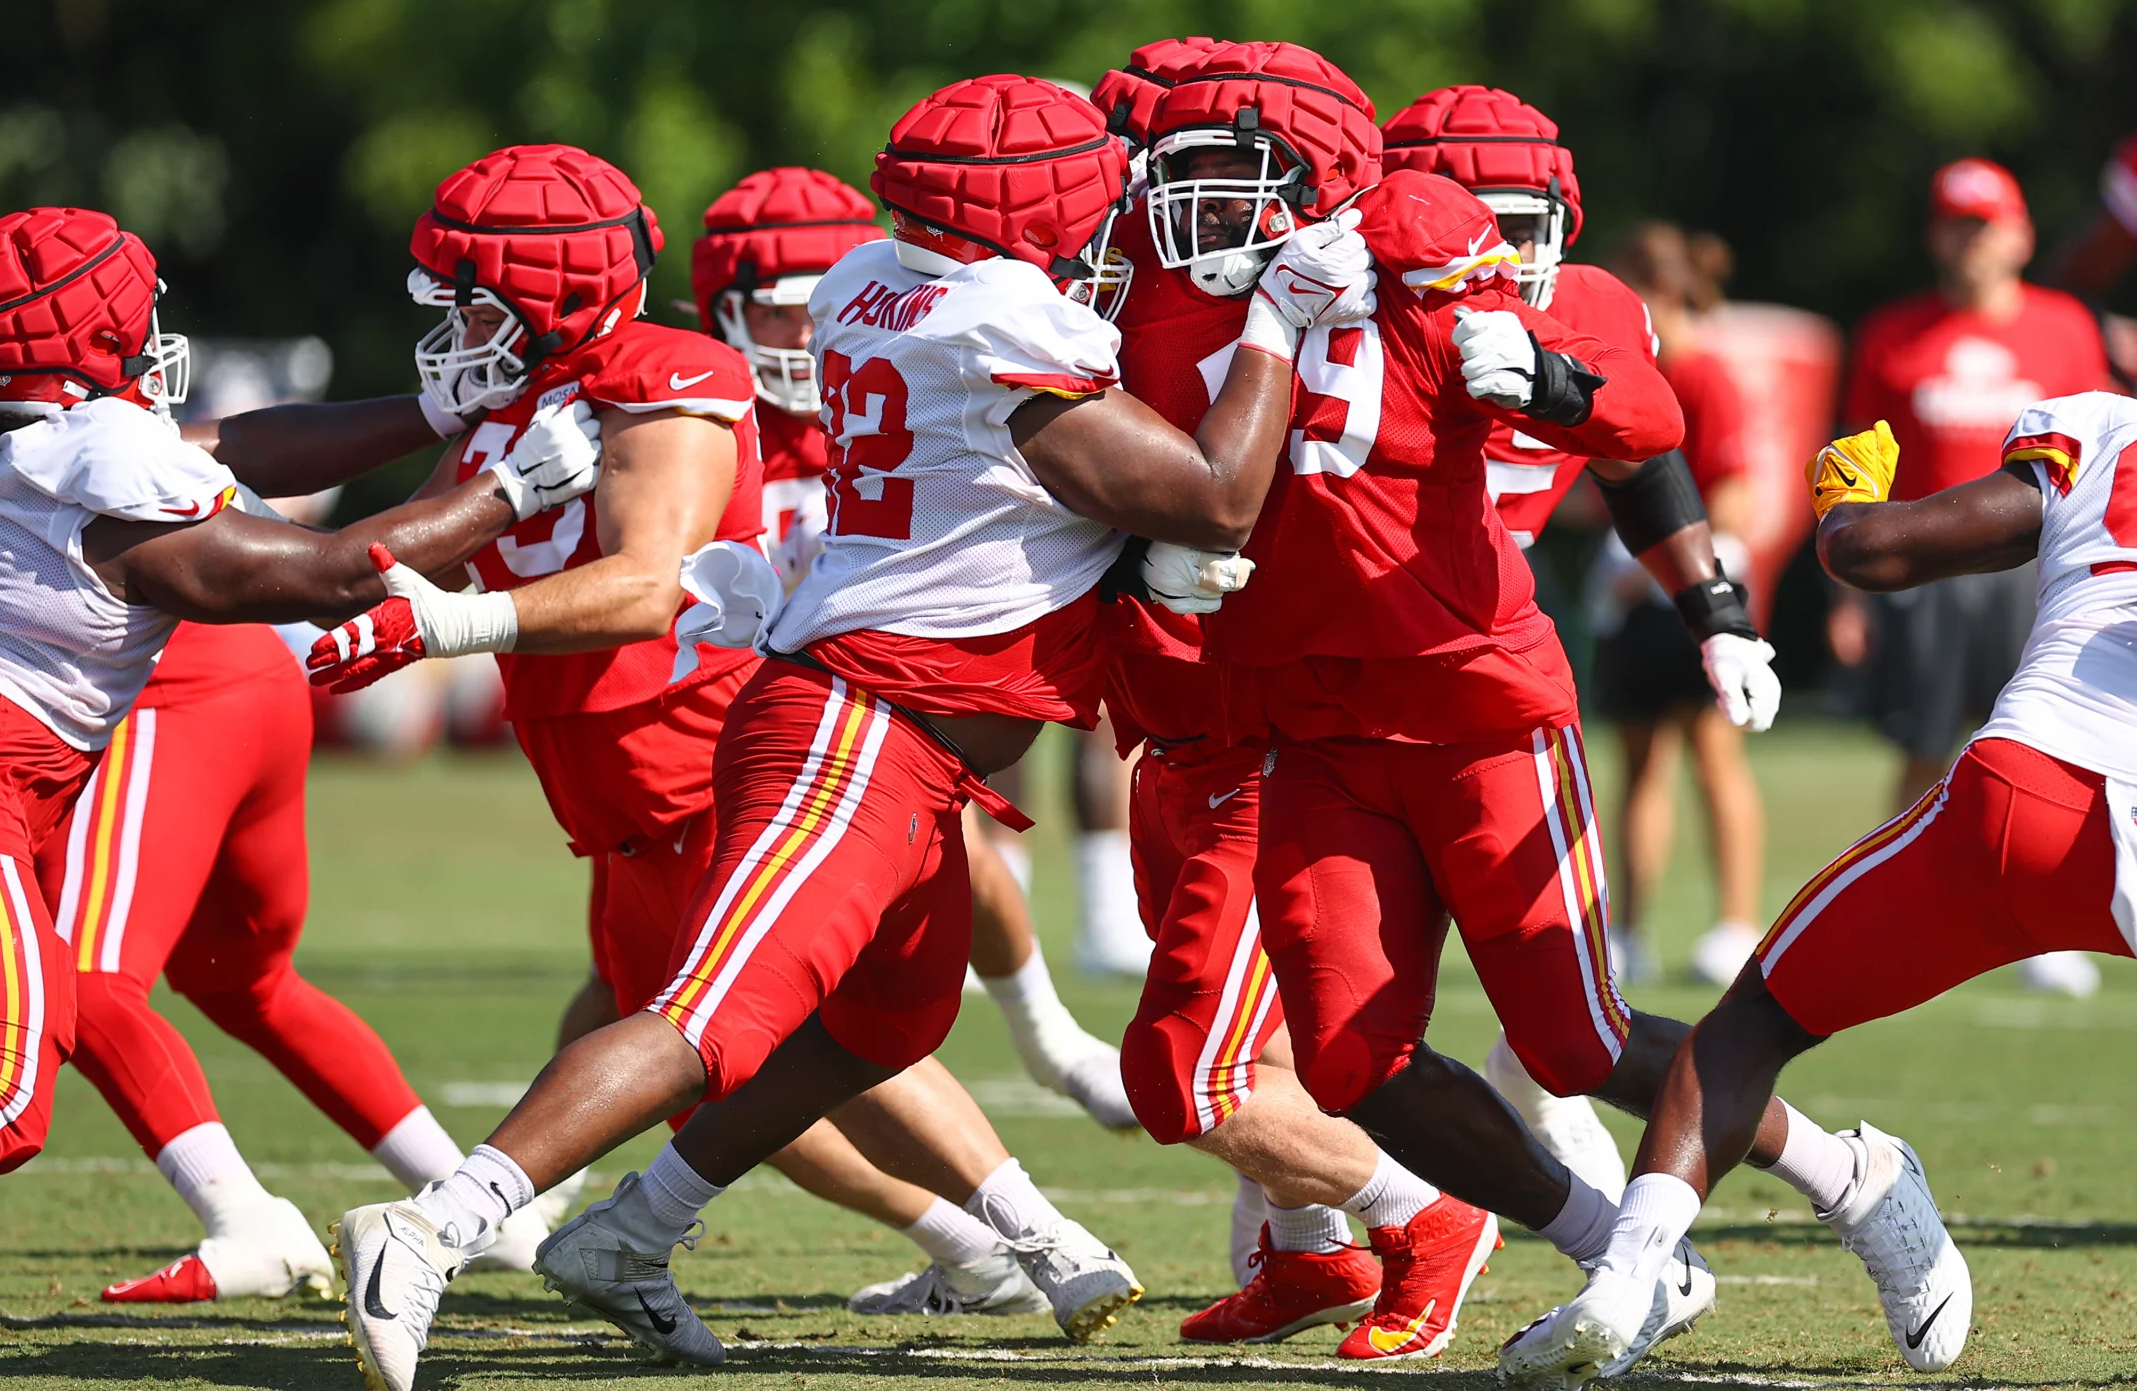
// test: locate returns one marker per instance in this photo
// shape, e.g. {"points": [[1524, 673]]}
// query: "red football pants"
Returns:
{"points": [[838, 885], [2010, 856], [186, 857], [1210, 1003], [40, 776], [1368, 845]]}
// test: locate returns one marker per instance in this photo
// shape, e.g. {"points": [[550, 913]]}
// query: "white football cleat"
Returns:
{"points": [[993, 1284], [1094, 1083], [394, 1262], [1719, 955], [2069, 973], [521, 1234], [608, 1272], [1608, 1326], [1085, 1284], [262, 1252], [1891, 1222], [1567, 1126]]}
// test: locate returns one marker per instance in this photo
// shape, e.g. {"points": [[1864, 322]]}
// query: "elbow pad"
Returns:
{"points": [[1655, 503], [1565, 388]]}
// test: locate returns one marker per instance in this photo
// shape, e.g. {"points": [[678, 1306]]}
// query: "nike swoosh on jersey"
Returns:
{"points": [[677, 381], [1216, 802], [191, 509]]}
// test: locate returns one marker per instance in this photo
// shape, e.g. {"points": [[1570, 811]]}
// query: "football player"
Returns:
{"points": [[1207, 1058], [982, 462], [1507, 153], [767, 243], [1427, 760], [112, 529], [2028, 844]]}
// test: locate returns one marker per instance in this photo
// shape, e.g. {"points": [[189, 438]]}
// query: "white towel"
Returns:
{"points": [[735, 594]]}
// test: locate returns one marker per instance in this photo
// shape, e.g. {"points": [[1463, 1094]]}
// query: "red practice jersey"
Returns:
{"points": [[1951, 381], [1528, 478], [796, 505], [640, 367], [1175, 347], [202, 658], [1713, 417], [1390, 601]]}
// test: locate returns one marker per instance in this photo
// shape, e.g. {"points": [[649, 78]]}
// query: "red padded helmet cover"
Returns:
{"points": [[76, 295], [1015, 163], [1300, 98], [556, 233], [786, 221], [1487, 140], [1130, 95]]}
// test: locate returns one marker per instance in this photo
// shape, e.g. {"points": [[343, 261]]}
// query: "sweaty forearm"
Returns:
{"points": [[1241, 436], [289, 451], [1884, 546], [611, 602]]}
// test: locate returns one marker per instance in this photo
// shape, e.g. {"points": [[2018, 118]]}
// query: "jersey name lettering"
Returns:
{"points": [[879, 306]]}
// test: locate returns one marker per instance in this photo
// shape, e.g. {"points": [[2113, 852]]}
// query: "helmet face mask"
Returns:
{"points": [[1222, 230], [786, 377], [1102, 275], [462, 377], [1539, 221]]}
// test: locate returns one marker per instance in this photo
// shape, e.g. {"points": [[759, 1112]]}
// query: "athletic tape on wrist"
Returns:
{"points": [[1269, 331], [1656, 502]]}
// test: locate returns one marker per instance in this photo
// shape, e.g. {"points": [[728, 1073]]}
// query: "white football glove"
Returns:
{"points": [[1498, 356], [556, 458], [1740, 670], [1321, 277], [1186, 580]]}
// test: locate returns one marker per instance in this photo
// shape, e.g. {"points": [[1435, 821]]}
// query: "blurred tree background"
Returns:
{"points": [[274, 152]]}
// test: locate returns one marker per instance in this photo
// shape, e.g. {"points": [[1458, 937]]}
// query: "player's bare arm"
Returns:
{"points": [[235, 568], [1992, 523], [665, 482], [1115, 460], [292, 450]]}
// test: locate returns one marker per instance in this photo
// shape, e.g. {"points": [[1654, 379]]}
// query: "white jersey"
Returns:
{"points": [[2075, 693], [938, 527], [72, 653]]}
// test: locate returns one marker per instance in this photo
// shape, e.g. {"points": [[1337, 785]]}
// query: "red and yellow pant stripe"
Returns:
{"points": [[23, 1004], [1224, 1073], [1569, 811], [104, 847], [1851, 864]]}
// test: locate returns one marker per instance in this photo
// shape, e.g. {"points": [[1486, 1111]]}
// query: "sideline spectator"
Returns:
{"points": [[1951, 368], [1648, 680], [2099, 258]]}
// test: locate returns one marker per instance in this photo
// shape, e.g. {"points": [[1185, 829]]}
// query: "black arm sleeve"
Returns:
{"points": [[1657, 501]]}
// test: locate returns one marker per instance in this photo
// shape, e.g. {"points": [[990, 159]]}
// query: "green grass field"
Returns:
{"points": [[447, 912]]}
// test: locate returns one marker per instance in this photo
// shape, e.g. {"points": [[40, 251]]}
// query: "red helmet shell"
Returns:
{"points": [[1017, 164], [559, 235], [1488, 141], [1129, 95], [777, 222], [1300, 99], [76, 299]]}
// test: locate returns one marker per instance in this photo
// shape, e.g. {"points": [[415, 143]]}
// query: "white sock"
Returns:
{"points": [[1111, 927], [1582, 1228], [417, 1150], [675, 1192], [1017, 856], [1657, 1212], [1039, 1024], [951, 1235], [1390, 1198], [1312, 1228], [1816, 1163], [204, 1166], [1250, 1210], [1009, 1202], [488, 1187]]}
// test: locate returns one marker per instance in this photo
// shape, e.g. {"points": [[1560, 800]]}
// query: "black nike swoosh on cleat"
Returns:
{"points": [[664, 1326], [1685, 1289], [1914, 1339], [372, 1306]]}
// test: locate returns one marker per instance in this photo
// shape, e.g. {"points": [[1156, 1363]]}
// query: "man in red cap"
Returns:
{"points": [[1951, 368]]}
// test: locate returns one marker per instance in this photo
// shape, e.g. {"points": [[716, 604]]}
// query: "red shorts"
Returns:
{"points": [[1209, 1003], [40, 776], [1368, 845], [2011, 855], [187, 849], [838, 884]]}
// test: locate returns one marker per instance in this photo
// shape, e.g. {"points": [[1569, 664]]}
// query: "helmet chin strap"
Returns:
{"points": [[1231, 274]]}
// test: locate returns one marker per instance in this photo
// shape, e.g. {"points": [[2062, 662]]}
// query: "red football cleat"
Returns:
{"points": [[183, 1281], [1291, 1291], [1428, 1266]]}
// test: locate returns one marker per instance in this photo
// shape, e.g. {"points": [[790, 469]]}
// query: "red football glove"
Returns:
{"points": [[379, 640]]}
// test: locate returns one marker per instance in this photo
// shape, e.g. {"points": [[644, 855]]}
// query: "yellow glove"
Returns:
{"points": [[1857, 468]]}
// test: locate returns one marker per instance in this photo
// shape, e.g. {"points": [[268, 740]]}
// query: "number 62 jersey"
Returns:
{"points": [[2075, 693], [939, 529]]}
